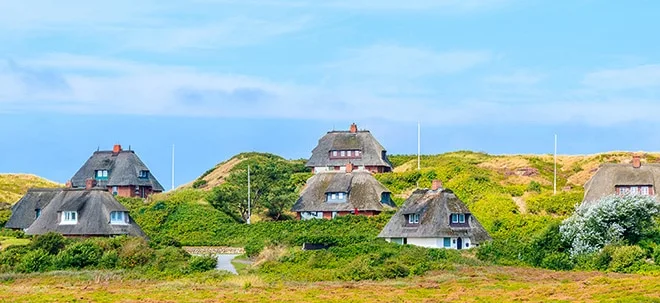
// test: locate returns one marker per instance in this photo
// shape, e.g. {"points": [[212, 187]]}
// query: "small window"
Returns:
{"points": [[645, 190], [413, 218], [461, 218], [340, 196], [99, 173], [334, 153], [634, 190], [114, 190], [118, 217], [333, 196], [454, 218], [37, 213], [334, 214], [343, 153], [447, 242], [144, 174], [467, 244], [105, 174], [69, 217]]}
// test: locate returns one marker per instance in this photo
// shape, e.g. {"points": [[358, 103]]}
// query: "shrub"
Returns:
{"points": [[561, 204], [80, 255], [609, 220], [50, 242], [34, 261], [557, 261], [627, 259], [11, 256], [253, 248], [109, 260], [202, 263], [199, 183], [534, 186], [135, 252], [169, 258]]}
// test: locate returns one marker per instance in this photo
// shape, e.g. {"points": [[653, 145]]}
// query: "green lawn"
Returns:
{"points": [[9, 241]]}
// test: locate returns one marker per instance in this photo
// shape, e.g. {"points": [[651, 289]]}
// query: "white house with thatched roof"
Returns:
{"points": [[338, 193], [623, 178], [359, 147], [435, 218]]}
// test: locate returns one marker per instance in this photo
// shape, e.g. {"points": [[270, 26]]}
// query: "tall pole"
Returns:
{"points": [[249, 212], [554, 192], [419, 145], [172, 166]]}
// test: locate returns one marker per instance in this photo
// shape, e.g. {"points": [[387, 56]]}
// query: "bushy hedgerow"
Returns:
{"points": [[50, 242]]}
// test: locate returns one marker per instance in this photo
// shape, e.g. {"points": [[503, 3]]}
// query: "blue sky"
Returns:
{"points": [[218, 77]]}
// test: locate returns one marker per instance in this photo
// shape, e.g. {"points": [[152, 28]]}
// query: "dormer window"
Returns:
{"points": [[338, 197], [385, 198], [458, 218], [413, 219], [37, 213], [144, 174], [118, 217], [101, 174], [646, 190], [345, 154], [69, 217]]}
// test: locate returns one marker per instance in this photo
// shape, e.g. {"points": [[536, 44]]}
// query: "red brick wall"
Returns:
{"points": [[129, 191], [328, 214]]}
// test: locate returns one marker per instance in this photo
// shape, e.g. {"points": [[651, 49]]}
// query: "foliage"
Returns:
{"points": [[202, 263], [609, 220], [34, 261], [14, 186], [534, 186], [627, 259], [80, 255], [199, 183], [135, 252], [562, 204], [50, 242]]}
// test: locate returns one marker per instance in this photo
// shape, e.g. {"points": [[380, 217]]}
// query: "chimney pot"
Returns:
{"points": [[436, 184], [637, 161], [349, 167], [116, 149], [354, 128], [90, 183], [69, 184]]}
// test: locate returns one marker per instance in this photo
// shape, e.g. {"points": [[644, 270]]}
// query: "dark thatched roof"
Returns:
{"points": [[93, 207], [123, 170], [610, 175], [372, 152], [24, 211], [364, 192], [435, 209]]}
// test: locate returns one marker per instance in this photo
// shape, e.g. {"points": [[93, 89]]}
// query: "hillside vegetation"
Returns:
{"points": [[14, 186]]}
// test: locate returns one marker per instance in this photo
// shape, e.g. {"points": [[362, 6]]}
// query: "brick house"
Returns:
{"points": [[359, 147], [338, 193], [119, 171]]}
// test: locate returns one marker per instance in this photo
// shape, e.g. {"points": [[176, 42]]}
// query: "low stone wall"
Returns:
{"points": [[214, 250]]}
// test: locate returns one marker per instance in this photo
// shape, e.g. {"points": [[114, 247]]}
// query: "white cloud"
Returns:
{"points": [[406, 62], [642, 76], [516, 78]]}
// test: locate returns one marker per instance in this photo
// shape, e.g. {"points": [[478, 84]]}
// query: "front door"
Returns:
{"points": [[459, 243]]}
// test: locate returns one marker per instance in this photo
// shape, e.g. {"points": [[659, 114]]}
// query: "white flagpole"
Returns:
{"points": [[419, 145], [172, 166], [249, 213], [555, 181]]}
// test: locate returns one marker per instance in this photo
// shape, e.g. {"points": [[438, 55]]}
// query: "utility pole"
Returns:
{"points": [[554, 192], [249, 211]]}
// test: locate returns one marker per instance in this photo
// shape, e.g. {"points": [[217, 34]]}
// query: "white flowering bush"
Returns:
{"points": [[609, 220]]}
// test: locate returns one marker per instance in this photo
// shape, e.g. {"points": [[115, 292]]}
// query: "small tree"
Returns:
{"points": [[609, 220]]}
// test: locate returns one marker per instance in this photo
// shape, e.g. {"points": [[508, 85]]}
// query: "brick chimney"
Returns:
{"points": [[349, 167], [116, 149], [90, 183], [637, 161], [353, 128], [436, 184], [69, 184]]}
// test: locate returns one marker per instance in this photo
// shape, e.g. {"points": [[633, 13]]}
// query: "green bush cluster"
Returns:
{"points": [[561, 204], [54, 252]]}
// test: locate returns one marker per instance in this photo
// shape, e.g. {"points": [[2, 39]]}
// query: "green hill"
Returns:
{"points": [[14, 186]]}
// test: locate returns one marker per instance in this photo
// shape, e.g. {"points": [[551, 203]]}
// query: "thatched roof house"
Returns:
{"points": [[331, 194], [119, 171], [73, 212], [435, 218], [359, 147], [632, 178], [29, 207]]}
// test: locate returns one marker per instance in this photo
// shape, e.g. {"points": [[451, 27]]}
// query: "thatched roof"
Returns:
{"points": [[93, 207], [372, 152], [364, 192], [609, 176], [435, 208], [123, 170], [24, 211]]}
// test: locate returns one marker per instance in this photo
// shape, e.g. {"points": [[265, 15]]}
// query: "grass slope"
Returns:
{"points": [[468, 284], [14, 186]]}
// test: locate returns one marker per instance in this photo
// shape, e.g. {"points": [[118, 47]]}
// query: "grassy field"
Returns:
{"points": [[9, 241], [468, 284], [14, 186]]}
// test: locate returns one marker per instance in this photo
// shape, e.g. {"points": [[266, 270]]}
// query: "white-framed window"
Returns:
{"points": [[307, 215], [357, 153], [645, 190], [634, 190], [334, 214], [144, 174], [118, 217], [340, 196], [101, 174], [413, 218], [333, 196], [69, 217], [334, 153], [454, 218], [114, 190], [343, 153], [461, 218]]}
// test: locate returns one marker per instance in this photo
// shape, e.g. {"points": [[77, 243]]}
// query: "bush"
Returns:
{"points": [[109, 260], [534, 186], [80, 255], [627, 259], [199, 183], [202, 263], [557, 261], [11, 256], [169, 258], [253, 248], [561, 204], [35, 261], [50, 242], [135, 252]]}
